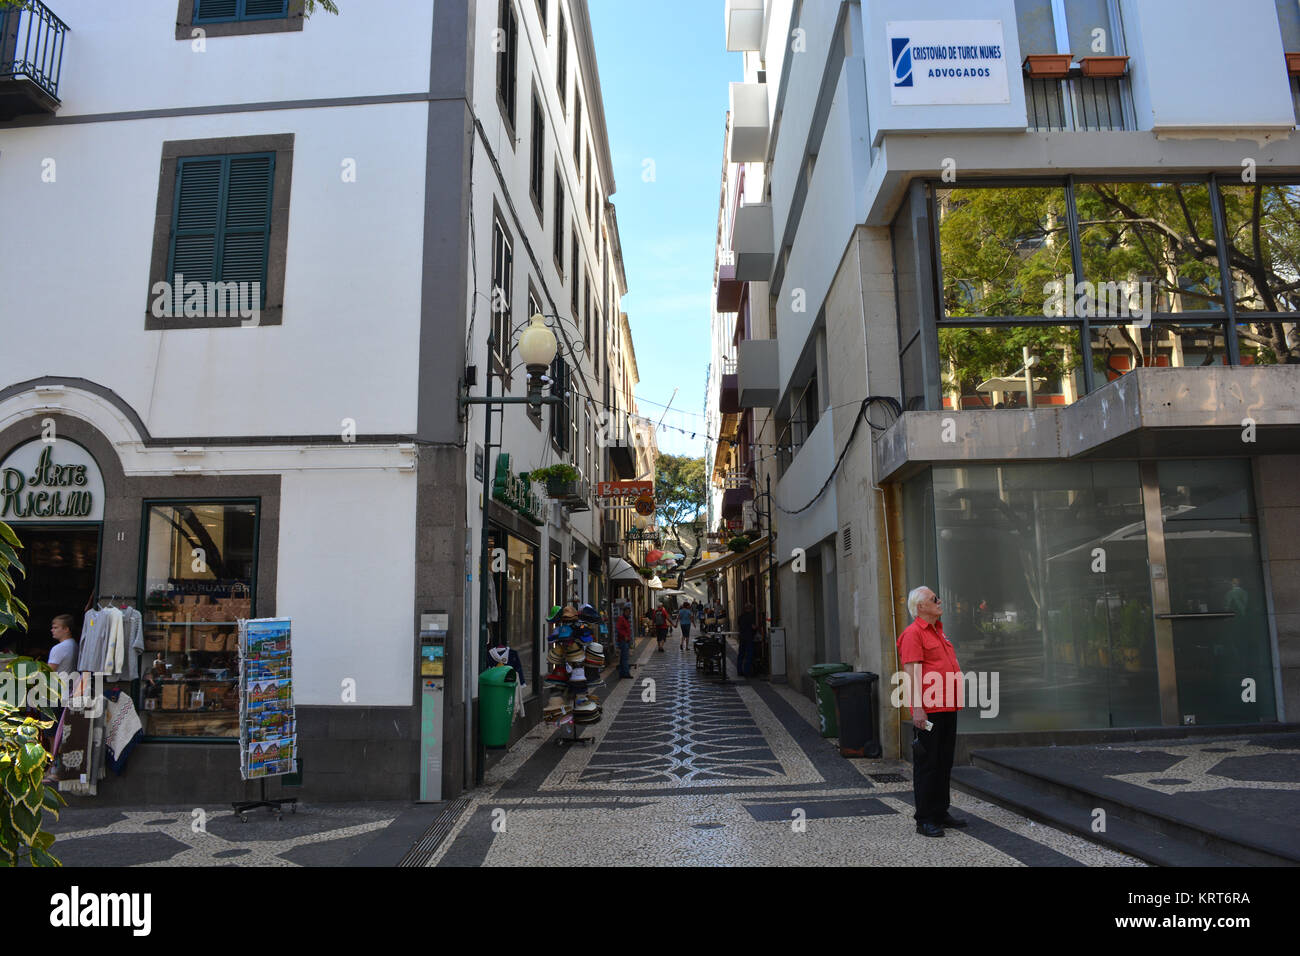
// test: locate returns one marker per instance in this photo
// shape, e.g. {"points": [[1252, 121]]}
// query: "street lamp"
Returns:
{"points": [[537, 347]]}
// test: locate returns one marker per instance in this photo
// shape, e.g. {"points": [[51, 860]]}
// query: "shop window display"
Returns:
{"points": [[198, 584]]}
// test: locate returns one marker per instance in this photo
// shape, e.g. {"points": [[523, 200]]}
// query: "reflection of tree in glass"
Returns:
{"points": [[193, 531], [1264, 252]]}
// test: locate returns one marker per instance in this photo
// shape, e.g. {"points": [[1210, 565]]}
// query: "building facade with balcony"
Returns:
{"points": [[1035, 320], [250, 292]]}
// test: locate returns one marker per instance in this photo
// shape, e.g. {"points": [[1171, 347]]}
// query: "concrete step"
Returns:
{"points": [[1151, 846], [1248, 841]]}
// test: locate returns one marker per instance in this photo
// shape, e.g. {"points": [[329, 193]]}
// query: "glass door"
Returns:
{"points": [[1214, 599]]}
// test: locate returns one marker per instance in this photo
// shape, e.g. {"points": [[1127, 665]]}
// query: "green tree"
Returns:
{"points": [[680, 498]]}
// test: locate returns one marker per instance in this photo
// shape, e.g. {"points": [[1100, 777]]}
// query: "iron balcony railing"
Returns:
{"points": [[1078, 103], [31, 45]]}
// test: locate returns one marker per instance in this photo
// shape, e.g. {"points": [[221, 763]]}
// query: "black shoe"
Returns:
{"points": [[950, 821], [929, 829]]}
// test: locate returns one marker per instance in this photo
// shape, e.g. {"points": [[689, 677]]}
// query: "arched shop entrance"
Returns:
{"points": [[52, 495]]}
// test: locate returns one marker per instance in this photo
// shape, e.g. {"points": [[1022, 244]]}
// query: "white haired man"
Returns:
{"points": [[934, 682]]}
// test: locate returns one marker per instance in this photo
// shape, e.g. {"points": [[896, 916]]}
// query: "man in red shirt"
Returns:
{"points": [[935, 687], [623, 635]]}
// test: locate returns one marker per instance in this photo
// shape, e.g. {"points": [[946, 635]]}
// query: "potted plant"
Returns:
{"points": [[561, 481], [1048, 66], [738, 543], [1104, 66]]}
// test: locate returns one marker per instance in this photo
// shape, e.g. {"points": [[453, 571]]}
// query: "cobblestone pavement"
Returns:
{"points": [[705, 773]]}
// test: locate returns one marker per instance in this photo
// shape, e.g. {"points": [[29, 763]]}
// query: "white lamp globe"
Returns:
{"points": [[537, 344]]}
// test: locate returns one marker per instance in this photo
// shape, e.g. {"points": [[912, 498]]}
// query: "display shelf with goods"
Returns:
{"points": [[268, 727], [575, 660]]}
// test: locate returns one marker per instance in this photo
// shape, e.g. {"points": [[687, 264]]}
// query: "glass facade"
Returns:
{"points": [[1043, 570], [199, 580]]}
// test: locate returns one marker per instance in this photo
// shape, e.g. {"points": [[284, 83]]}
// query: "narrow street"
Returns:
{"points": [[704, 773]]}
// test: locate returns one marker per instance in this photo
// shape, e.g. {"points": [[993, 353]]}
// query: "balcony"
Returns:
{"points": [[729, 390], [754, 243], [748, 123], [728, 286], [738, 489], [1078, 103], [760, 381], [31, 59], [744, 25]]}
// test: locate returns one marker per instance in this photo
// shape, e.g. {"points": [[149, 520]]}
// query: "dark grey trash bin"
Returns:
{"points": [[856, 695]]}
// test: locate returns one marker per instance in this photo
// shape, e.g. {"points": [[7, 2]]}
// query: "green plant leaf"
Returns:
{"points": [[32, 755], [52, 800], [26, 823], [7, 533], [44, 840], [8, 554], [41, 858]]}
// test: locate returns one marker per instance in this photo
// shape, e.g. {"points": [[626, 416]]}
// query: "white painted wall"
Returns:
{"points": [[800, 482], [346, 577], [78, 273], [125, 56], [1207, 64]]}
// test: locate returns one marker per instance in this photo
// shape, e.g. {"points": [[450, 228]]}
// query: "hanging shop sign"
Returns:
{"points": [[51, 481], [624, 489], [937, 62], [515, 493], [645, 505]]}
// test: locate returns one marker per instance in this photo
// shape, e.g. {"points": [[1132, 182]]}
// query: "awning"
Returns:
{"points": [[620, 570], [726, 561]]}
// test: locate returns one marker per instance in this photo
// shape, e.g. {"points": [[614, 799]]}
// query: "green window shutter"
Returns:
{"points": [[194, 220], [208, 10], [263, 9], [247, 226]]}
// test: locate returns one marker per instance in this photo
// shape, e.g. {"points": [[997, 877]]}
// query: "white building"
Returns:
{"points": [[311, 445]]}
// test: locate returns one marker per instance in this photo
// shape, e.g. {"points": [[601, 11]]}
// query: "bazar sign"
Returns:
{"points": [[516, 493], [936, 62], [624, 489], [43, 481]]}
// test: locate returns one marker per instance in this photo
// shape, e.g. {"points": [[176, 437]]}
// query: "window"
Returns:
{"points": [[502, 274], [577, 128], [191, 689], [542, 12], [220, 233], [557, 247], [588, 183], [508, 23], [537, 159], [562, 61], [560, 411], [586, 310], [573, 231], [224, 18]]}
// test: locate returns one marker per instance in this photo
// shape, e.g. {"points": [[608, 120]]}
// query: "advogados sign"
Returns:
{"points": [[50, 481], [947, 62]]}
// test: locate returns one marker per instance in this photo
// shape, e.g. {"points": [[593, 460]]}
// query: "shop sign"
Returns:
{"points": [[516, 493], [624, 489], [645, 505], [51, 481], [937, 62]]}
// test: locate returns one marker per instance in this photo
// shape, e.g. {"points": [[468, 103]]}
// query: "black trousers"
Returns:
{"points": [[932, 768]]}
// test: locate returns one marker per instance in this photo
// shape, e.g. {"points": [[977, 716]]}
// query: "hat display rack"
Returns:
{"points": [[575, 660]]}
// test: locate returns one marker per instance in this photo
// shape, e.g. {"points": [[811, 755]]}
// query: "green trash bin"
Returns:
{"points": [[496, 705], [826, 699]]}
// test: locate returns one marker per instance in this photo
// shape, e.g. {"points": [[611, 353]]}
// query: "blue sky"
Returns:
{"points": [[664, 71]]}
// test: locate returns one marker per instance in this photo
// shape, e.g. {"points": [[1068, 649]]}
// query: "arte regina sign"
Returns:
{"points": [[515, 493], [937, 62], [51, 481]]}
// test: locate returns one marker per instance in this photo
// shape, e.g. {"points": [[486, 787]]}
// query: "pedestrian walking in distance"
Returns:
{"points": [[684, 618], [747, 627], [662, 623], [623, 636], [934, 684]]}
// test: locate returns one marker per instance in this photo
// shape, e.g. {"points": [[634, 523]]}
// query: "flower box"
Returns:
{"points": [[1104, 66], [1293, 64], [1048, 66]]}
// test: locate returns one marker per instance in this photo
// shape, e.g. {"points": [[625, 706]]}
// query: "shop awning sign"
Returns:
{"points": [[624, 489], [50, 481], [515, 493]]}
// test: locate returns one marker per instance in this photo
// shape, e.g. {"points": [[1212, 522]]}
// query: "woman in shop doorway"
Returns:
{"points": [[63, 655], [662, 623]]}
